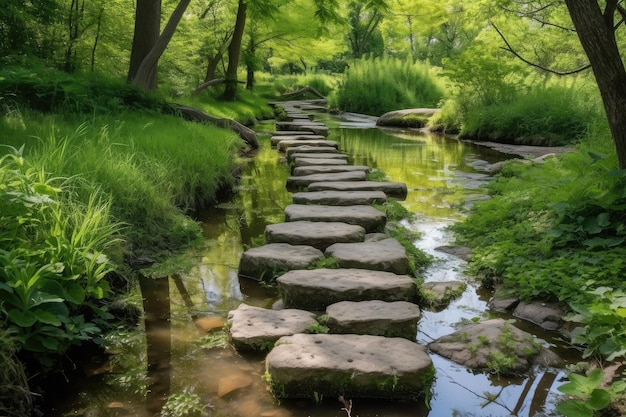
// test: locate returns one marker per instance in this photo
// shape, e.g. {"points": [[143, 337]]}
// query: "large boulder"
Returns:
{"points": [[406, 118], [494, 345], [355, 366], [318, 288]]}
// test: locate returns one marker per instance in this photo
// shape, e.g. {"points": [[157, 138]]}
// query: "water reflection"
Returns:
{"points": [[441, 175]]}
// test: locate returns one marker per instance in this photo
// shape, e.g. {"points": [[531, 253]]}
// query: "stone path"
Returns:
{"points": [[367, 301]]}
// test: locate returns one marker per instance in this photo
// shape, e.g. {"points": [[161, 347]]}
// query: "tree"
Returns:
{"points": [[147, 28], [596, 31], [234, 51]]}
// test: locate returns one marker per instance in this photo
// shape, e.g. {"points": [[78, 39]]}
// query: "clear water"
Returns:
{"points": [[443, 176]]}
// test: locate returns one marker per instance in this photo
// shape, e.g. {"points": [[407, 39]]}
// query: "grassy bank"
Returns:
{"points": [[555, 232]]}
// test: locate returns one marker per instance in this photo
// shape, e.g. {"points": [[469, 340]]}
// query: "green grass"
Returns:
{"points": [[376, 86]]}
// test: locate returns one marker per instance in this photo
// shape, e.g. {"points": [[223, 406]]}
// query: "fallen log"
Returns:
{"points": [[302, 91], [196, 115]]}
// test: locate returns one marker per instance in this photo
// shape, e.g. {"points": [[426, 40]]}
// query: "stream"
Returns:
{"points": [[443, 177]]}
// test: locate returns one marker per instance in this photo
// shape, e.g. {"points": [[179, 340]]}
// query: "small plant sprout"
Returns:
{"points": [[347, 405]]}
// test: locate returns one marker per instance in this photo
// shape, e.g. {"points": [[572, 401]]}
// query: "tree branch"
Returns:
{"points": [[510, 49]]}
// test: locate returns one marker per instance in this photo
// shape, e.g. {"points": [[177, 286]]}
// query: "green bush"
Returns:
{"points": [[377, 86], [53, 266]]}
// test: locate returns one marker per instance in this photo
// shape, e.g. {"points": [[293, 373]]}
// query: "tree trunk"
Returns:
{"points": [[212, 66], [95, 42], [147, 28], [143, 78], [597, 37], [234, 50]]}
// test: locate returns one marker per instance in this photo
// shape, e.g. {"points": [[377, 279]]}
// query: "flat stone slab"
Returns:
{"points": [[256, 329], [302, 162], [376, 318], [480, 345], [308, 126], [368, 217], [311, 149], [318, 288], [274, 140], [318, 155], [396, 190], [265, 262], [383, 255], [290, 133], [339, 198], [327, 169], [547, 315], [319, 235], [302, 181], [355, 366], [286, 144]]}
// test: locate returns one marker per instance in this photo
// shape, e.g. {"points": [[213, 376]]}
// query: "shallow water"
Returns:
{"points": [[442, 176]]}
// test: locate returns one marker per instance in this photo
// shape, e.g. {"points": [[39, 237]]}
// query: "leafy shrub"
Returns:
{"points": [[376, 86], [53, 268]]}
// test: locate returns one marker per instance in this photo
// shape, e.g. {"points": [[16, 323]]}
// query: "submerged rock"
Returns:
{"points": [[356, 366], [439, 294], [547, 315], [494, 345]]}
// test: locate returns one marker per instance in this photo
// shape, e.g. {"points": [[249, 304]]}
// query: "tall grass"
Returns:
{"points": [[376, 86], [155, 169], [544, 115]]}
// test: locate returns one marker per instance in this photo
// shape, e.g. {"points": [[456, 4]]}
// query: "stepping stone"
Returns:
{"points": [[311, 149], [439, 294], [256, 329], [283, 145], [396, 190], [274, 140], [317, 128], [296, 182], [319, 235], [330, 155], [301, 162], [318, 288], [368, 217], [265, 262], [355, 366], [291, 133], [376, 318], [327, 169], [339, 198], [384, 255]]}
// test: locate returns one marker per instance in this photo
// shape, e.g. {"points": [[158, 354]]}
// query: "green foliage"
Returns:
{"points": [[376, 86], [418, 259], [588, 396], [543, 115], [555, 231], [52, 272], [328, 262], [215, 340], [15, 397], [317, 328], [185, 404], [604, 318]]}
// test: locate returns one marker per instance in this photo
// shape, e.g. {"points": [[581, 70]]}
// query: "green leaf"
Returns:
{"points": [[599, 399], [594, 377], [74, 293], [47, 317], [22, 318], [574, 408]]}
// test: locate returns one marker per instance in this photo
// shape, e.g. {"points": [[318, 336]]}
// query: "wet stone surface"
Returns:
{"points": [[384, 255], [294, 183], [326, 169], [257, 263], [317, 289], [319, 235], [377, 318], [340, 198], [368, 217], [396, 190], [256, 329], [357, 366], [286, 144]]}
